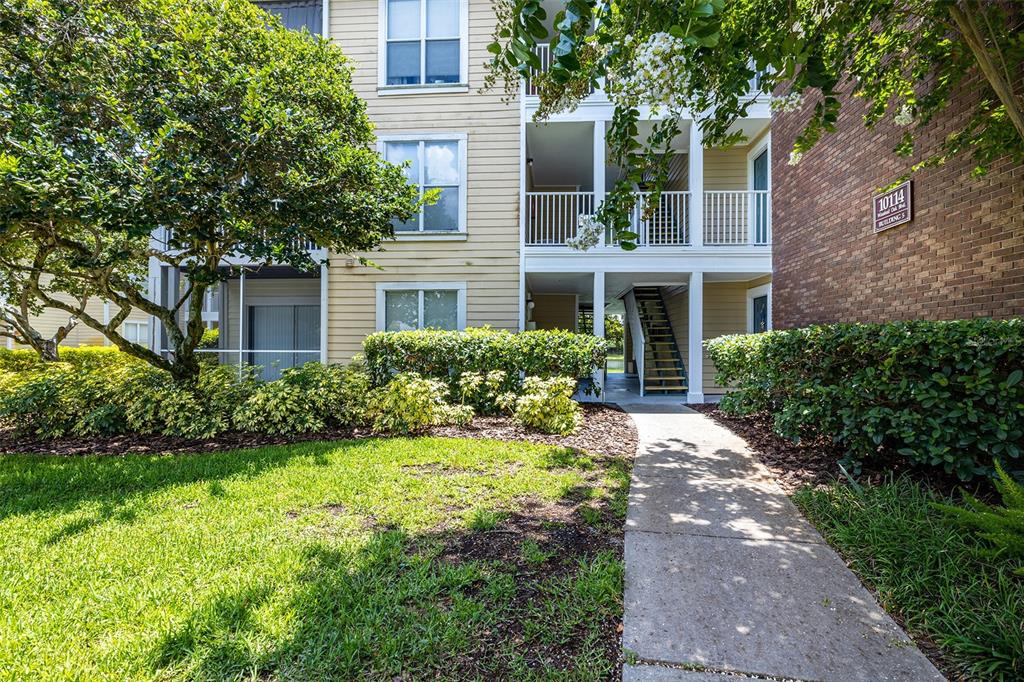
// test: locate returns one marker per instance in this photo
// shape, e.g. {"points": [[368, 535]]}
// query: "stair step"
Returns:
{"points": [[651, 389]]}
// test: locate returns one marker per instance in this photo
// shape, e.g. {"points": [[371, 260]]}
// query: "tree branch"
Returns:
{"points": [[1003, 88]]}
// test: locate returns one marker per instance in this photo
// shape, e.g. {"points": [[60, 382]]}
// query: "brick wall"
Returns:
{"points": [[961, 256]]}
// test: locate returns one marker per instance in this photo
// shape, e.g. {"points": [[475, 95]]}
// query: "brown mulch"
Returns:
{"points": [[816, 462], [793, 465], [605, 430]]}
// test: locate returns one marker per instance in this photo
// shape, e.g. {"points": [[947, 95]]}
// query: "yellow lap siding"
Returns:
{"points": [[488, 259]]}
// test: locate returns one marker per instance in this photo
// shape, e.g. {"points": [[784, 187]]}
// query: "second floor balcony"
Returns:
{"points": [[729, 218], [712, 197]]}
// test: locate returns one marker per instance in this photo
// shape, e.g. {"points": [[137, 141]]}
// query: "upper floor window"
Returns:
{"points": [[296, 14], [424, 42], [435, 162]]}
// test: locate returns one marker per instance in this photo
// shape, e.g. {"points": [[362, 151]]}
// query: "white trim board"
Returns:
{"points": [[458, 287], [765, 143], [756, 292]]}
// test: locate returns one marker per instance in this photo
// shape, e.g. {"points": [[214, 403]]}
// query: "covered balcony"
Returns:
{"points": [[713, 198], [270, 317]]}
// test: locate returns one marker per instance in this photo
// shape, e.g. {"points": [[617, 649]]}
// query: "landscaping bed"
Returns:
{"points": [[815, 462], [378, 558], [605, 429]]}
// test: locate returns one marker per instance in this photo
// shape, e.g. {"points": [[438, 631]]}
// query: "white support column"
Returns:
{"points": [[523, 312], [241, 320], [695, 372], [599, 164], [696, 172], [599, 324], [325, 287]]}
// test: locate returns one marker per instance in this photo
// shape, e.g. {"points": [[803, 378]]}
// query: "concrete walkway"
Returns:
{"points": [[724, 577]]}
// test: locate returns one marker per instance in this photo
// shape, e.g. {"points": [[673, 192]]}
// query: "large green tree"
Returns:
{"points": [[906, 58], [189, 131]]}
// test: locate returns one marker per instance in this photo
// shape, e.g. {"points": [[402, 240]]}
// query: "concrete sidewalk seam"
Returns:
{"points": [[725, 672], [726, 537]]}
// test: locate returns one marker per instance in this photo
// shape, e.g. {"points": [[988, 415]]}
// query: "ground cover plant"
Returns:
{"points": [[939, 394], [964, 605], [373, 559]]}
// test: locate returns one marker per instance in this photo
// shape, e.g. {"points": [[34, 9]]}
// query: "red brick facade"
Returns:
{"points": [[961, 256]]}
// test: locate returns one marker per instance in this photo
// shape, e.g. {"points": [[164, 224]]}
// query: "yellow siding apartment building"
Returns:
{"points": [[492, 250]]}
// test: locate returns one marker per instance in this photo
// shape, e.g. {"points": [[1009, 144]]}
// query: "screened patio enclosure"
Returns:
{"points": [[270, 317]]}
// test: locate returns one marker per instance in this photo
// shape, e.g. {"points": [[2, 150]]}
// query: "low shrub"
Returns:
{"points": [[307, 398], [944, 394], [447, 355], [211, 338], [51, 400], [411, 403], [483, 390], [154, 404], [547, 405], [42, 401], [81, 356]]}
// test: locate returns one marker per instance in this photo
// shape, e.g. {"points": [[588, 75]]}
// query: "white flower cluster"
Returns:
{"points": [[794, 158], [588, 234], [787, 103], [655, 75], [904, 117]]}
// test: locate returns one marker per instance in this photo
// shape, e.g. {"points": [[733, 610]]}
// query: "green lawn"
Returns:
{"points": [[372, 559], [936, 577]]}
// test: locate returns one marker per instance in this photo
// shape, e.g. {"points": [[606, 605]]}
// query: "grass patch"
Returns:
{"points": [[936, 577], [309, 561]]}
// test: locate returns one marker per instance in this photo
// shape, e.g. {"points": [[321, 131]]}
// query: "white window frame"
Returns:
{"points": [[142, 325], [421, 88], [764, 144], [757, 292], [461, 139], [384, 287]]}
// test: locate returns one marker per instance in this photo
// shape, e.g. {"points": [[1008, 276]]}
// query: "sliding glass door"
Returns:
{"points": [[283, 336]]}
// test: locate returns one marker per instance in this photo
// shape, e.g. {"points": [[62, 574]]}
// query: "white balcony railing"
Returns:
{"points": [[543, 52], [731, 218], [739, 217], [552, 217], [666, 224]]}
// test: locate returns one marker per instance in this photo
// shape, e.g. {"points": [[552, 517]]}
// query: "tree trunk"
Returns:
{"points": [[49, 350]]}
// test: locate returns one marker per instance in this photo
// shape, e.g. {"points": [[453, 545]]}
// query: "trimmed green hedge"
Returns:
{"points": [[448, 354], [946, 394], [81, 356]]}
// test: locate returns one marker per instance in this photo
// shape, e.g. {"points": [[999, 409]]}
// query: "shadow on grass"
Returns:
{"points": [[536, 596]]}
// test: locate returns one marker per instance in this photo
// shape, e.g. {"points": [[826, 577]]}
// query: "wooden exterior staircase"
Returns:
{"points": [[664, 371]]}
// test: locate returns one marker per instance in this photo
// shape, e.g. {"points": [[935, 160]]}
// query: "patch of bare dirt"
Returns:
{"points": [[562, 537]]}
